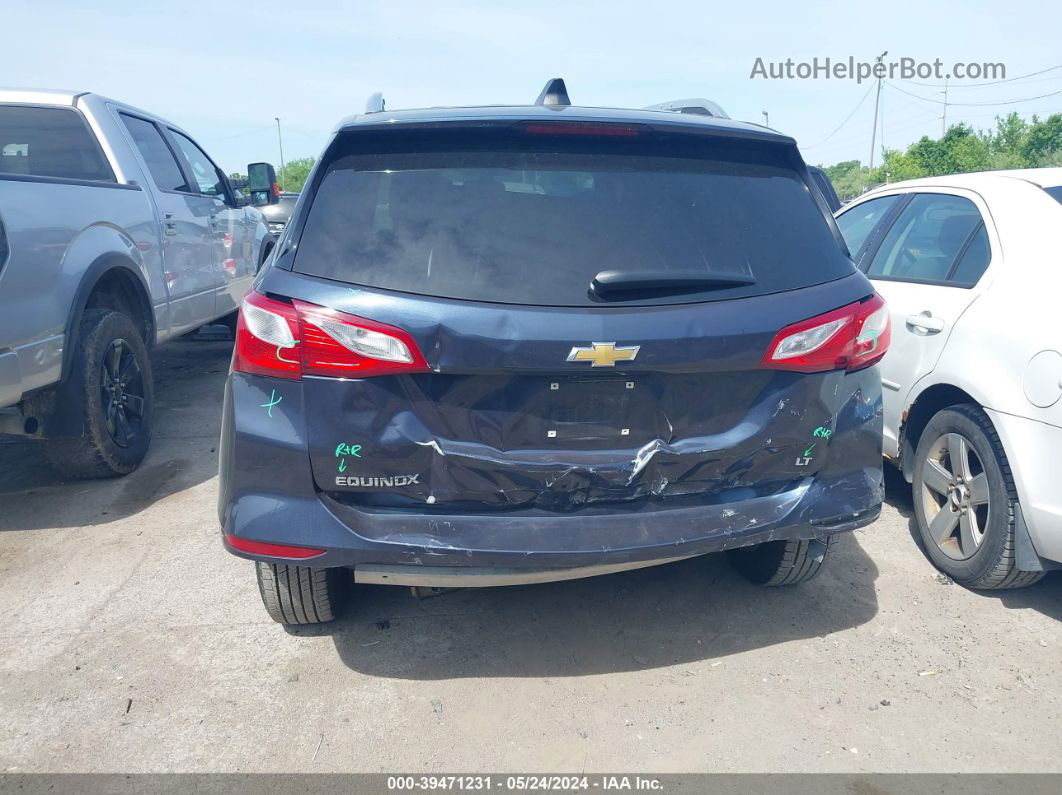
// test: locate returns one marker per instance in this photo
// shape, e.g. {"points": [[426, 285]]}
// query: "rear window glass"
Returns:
{"points": [[1055, 192], [49, 142], [532, 221]]}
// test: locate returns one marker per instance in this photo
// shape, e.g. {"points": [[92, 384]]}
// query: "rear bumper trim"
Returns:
{"points": [[486, 577]]}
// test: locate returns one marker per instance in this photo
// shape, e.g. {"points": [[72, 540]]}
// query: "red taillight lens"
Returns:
{"points": [[338, 344], [271, 550], [291, 340], [849, 338], [267, 338]]}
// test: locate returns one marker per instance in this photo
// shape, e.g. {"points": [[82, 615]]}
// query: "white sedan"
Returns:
{"points": [[971, 267]]}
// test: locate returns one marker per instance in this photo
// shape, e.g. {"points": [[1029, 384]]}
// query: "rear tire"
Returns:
{"points": [[298, 595], [965, 500], [776, 563], [117, 419]]}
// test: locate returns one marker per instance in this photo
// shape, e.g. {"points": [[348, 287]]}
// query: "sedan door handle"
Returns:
{"points": [[926, 322]]}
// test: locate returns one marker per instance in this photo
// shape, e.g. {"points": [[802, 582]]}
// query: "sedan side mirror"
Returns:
{"points": [[262, 183]]}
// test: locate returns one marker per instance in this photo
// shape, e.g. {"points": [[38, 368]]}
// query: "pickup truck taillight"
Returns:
{"points": [[289, 340], [850, 338]]}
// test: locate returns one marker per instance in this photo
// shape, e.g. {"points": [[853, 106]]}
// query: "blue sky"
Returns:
{"points": [[223, 70]]}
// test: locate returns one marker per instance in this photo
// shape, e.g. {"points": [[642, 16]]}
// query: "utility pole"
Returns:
{"points": [[280, 143], [877, 101], [766, 119], [944, 118]]}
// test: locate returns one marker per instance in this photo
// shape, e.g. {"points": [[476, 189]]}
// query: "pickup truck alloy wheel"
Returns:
{"points": [[122, 393]]}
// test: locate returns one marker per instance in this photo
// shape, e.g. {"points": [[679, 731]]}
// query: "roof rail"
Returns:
{"points": [[555, 93], [375, 103], [696, 106]]}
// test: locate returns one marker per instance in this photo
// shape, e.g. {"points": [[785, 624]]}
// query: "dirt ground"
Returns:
{"points": [[130, 641]]}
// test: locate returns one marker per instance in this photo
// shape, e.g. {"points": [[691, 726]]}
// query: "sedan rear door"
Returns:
{"points": [[926, 265]]}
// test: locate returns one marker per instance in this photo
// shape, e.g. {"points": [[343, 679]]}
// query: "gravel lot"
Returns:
{"points": [[132, 642]]}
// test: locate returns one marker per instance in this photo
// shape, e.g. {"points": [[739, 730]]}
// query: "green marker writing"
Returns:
{"points": [[273, 400]]}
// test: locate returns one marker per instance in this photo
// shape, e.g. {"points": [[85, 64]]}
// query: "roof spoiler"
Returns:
{"points": [[697, 106], [554, 94]]}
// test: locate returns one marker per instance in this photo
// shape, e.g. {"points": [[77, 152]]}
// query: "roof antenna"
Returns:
{"points": [[375, 103], [555, 93]]}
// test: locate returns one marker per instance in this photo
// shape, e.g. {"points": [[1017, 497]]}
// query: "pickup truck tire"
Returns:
{"points": [[117, 396], [781, 562], [964, 501], [296, 595]]}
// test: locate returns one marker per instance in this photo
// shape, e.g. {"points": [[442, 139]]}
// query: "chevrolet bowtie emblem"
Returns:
{"points": [[604, 354]]}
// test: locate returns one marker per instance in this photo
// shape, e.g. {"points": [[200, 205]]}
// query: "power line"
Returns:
{"points": [[989, 83], [846, 120], [972, 104]]}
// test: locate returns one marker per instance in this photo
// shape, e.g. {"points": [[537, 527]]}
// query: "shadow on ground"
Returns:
{"points": [[1044, 597], [687, 612], [189, 376]]}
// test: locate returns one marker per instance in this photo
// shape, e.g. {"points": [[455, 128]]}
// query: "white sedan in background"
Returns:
{"points": [[971, 267]]}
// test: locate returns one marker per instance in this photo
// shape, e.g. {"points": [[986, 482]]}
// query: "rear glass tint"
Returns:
{"points": [[49, 142], [532, 219]]}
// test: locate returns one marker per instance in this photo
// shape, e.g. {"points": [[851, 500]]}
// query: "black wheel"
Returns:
{"points": [[964, 501], [296, 595], [117, 396], [781, 562]]}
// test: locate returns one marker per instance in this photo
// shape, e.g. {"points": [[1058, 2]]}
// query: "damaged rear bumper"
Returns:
{"points": [[537, 540]]}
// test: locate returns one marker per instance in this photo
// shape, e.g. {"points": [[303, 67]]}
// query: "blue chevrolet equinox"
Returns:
{"points": [[508, 345]]}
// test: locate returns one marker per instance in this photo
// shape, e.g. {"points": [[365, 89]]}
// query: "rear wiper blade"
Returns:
{"points": [[626, 281]]}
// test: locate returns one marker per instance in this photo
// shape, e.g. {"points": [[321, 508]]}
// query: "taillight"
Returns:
{"points": [[337, 344], [267, 338], [850, 338], [291, 340]]}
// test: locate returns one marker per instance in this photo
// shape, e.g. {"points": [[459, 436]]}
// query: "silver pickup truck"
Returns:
{"points": [[117, 232]]}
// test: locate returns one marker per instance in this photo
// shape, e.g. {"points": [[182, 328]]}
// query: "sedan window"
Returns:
{"points": [[974, 260], [857, 223], [927, 238]]}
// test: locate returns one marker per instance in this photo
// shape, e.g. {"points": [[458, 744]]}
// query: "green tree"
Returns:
{"points": [[1014, 143], [898, 166], [1044, 139], [293, 176], [849, 178], [1009, 138]]}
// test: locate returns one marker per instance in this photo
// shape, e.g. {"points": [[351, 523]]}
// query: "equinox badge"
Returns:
{"points": [[604, 354]]}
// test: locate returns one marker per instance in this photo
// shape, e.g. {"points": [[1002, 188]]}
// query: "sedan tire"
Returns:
{"points": [[965, 501]]}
